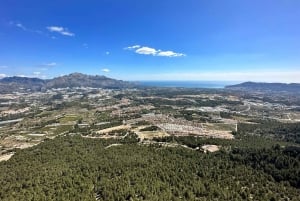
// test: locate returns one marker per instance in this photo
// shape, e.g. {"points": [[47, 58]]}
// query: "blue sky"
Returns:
{"points": [[257, 40]]}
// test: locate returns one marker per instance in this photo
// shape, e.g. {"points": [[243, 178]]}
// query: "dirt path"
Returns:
{"points": [[112, 145], [6, 157], [107, 130], [210, 148]]}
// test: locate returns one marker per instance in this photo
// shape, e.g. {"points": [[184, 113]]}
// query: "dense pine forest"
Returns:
{"points": [[76, 168], [274, 129]]}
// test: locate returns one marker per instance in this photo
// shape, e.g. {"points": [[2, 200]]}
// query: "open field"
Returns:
{"points": [[107, 130], [151, 134], [220, 126]]}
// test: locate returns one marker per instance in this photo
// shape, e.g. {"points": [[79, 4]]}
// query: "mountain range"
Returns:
{"points": [[262, 86], [21, 84]]}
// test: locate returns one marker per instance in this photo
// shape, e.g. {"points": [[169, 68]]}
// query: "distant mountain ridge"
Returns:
{"points": [[21, 84], [262, 86]]}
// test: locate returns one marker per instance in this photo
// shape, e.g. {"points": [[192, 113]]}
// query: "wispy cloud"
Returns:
{"points": [[154, 52], [18, 25], [24, 28], [105, 70], [3, 67], [85, 45], [170, 54], [132, 47], [60, 30], [21, 26]]}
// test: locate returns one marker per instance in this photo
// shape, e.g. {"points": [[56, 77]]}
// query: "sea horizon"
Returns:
{"points": [[186, 83]]}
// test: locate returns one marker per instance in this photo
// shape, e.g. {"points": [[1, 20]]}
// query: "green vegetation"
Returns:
{"points": [[73, 168], [134, 162], [69, 118], [200, 116], [62, 129], [121, 132], [240, 141], [150, 128], [159, 102], [282, 131], [142, 123], [102, 116]]}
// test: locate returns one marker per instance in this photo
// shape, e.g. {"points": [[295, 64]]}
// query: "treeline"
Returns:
{"points": [[158, 102], [174, 92], [192, 115], [75, 168], [281, 164], [150, 128], [282, 131]]}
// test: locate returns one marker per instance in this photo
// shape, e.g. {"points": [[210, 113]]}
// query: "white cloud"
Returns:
{"points": [[152, 51], [105, 70], [66, 33], [132, 47], [54, 28], [60, 30], [21, 26], [146, 51], [169, 54], [2, 75], [24, 28]]}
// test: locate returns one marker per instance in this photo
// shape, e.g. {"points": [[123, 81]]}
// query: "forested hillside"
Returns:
{"points": [[76, 168], [272, 129]]}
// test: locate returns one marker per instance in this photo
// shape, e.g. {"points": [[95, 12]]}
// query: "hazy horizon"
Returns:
{"points": [[152, 40], [157, 80]]}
